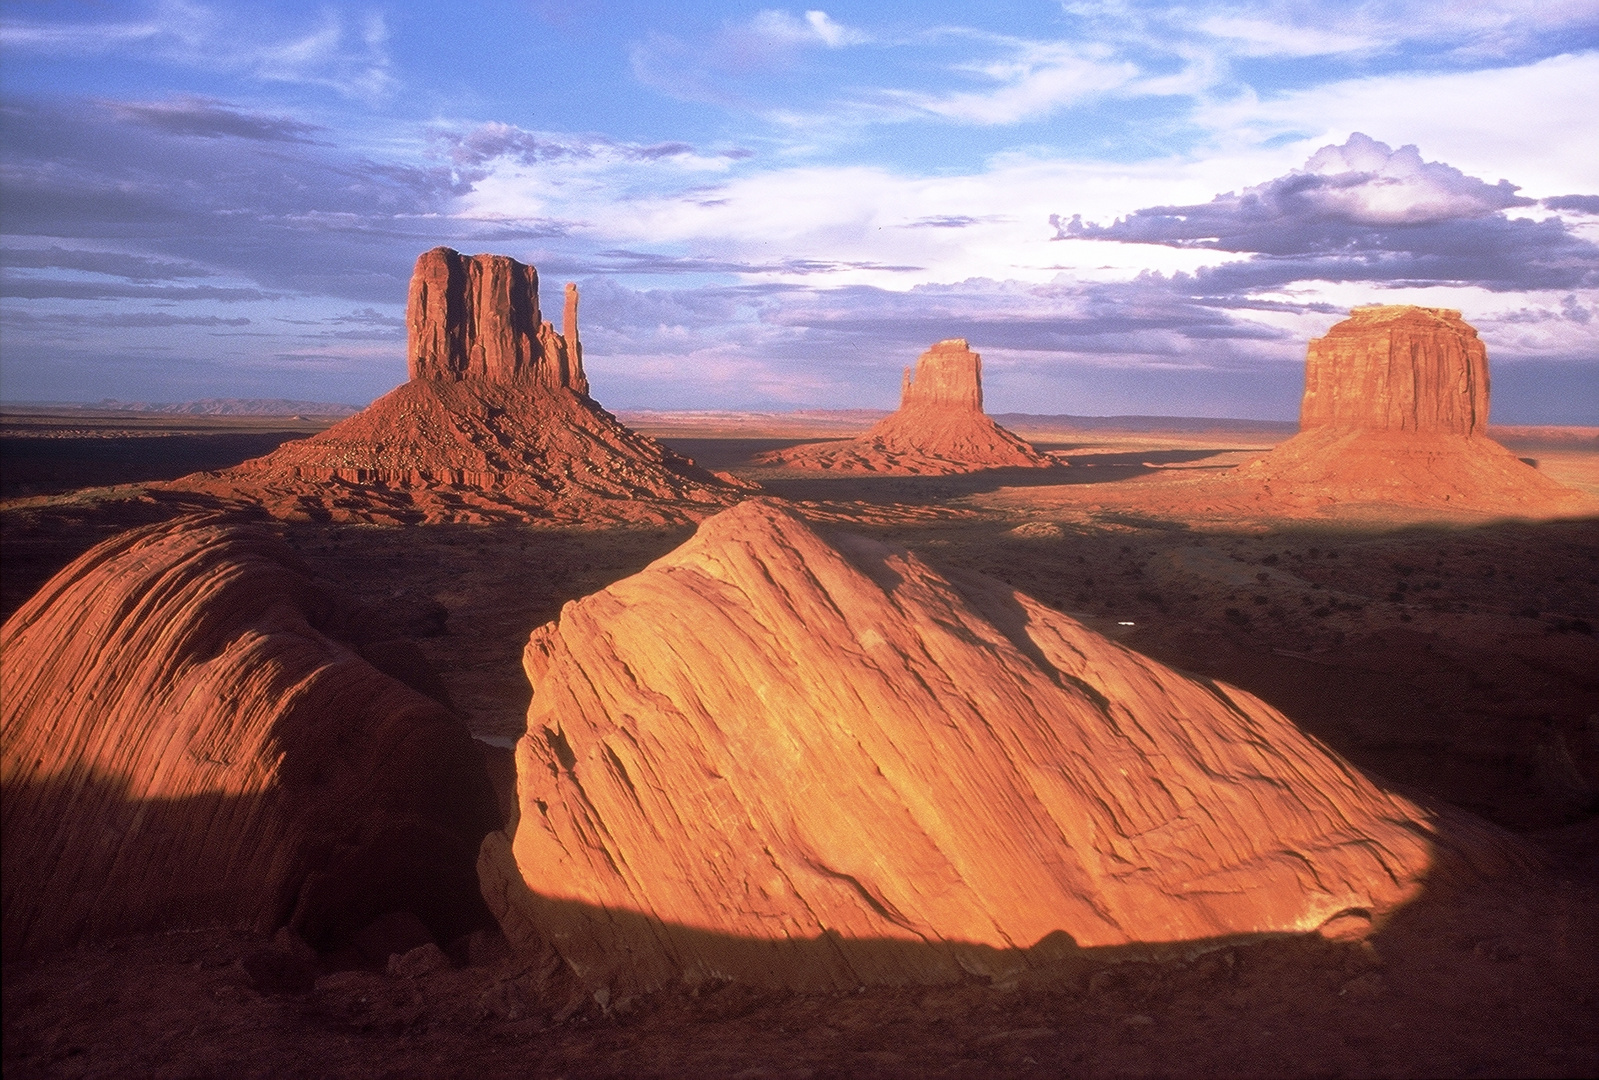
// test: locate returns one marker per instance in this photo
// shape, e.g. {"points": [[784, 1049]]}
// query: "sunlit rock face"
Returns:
{"points": [[1398, 368], [817, 762], [939, 428], [495, 424], [477, 316], [1394, 415], [194, 733]]}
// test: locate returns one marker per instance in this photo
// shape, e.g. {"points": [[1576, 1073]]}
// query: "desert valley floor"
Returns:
{"points": [[1448, 657]]}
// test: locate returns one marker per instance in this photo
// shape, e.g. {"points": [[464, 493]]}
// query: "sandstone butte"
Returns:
{"points": [[818, 763], [1394, 414], [194, 733], [940, 427], [495, 423]]}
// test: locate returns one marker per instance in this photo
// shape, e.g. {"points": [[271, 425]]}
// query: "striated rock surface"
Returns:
{"points": [[1394, 415], [477, 316], [818, 763], [192, 734], [495, 424], [940, 427], [1398, 368]]}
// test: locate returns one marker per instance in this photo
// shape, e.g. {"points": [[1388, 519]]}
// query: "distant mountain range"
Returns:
{"points": [[204, 407]]}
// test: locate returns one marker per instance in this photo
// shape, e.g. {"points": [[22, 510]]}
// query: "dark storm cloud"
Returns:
{"points": [[207, 118], [1364, 212], [111, 263]]}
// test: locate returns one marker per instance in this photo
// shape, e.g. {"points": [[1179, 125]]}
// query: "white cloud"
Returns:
{"points": [[1535, 122], [345, 54]]}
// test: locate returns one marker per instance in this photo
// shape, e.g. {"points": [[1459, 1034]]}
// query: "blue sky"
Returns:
{"points": [[1126, 207]]}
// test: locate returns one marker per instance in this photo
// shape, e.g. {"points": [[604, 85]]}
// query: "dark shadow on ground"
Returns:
{"points": [[49, 466]]}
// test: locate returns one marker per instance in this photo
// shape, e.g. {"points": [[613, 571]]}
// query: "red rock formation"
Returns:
{"points": [[190, 735], [1394, 415], [478, 317], [495, 424], [940, 427], [810, 763], [1397, 368]]}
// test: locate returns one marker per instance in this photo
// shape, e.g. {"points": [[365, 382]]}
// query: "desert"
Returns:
{"points": [[1050, 768], [740, 541]]}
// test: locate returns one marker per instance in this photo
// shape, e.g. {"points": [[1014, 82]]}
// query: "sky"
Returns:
{"points": [[1126, 207]]}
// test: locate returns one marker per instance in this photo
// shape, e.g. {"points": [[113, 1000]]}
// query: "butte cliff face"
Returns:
{"points": [[494, 424], [817, 763], [1394, 415], [940, 427], [193, 734], [477, 316], [1398, 368]]}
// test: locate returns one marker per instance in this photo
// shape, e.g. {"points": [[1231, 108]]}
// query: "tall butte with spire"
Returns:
{"points": [[939, 428], [1395, 413], [495, 423]]}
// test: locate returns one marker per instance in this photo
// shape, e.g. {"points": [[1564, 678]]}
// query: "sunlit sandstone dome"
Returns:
{"points": [[817, 762], [494, 424], [1395, 413], [194, 733], [939, 428]]}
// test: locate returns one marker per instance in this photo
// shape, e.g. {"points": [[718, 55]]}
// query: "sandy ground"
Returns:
{"points": [[1454, 658]]}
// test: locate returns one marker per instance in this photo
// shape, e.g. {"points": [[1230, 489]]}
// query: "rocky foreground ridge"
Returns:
{"points": [[194, 733], [816, 763], [495, 424], [939, 429]]}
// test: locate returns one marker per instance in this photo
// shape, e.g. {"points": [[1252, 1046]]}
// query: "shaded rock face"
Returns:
{"points": [[1398, 368], [478, 316], [939, 429], [495, 425], [193, 736], [817, 763]]}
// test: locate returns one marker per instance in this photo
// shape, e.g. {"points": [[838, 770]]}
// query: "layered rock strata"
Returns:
{"points": [[1397, 368], [939, 428], [194, 733], [495, 424], [817, 763], [1394, 415]]}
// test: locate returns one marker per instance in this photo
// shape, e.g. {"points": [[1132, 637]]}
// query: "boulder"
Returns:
{"points": [[816, 762], [191, 736], [940, 427]]}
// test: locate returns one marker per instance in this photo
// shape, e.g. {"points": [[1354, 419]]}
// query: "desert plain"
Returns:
{"points": [[1449, 657]]}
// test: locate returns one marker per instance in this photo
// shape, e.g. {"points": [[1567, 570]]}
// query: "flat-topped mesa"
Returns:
{"points": [[948, 376], [478, 317], [1398, 368]]}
